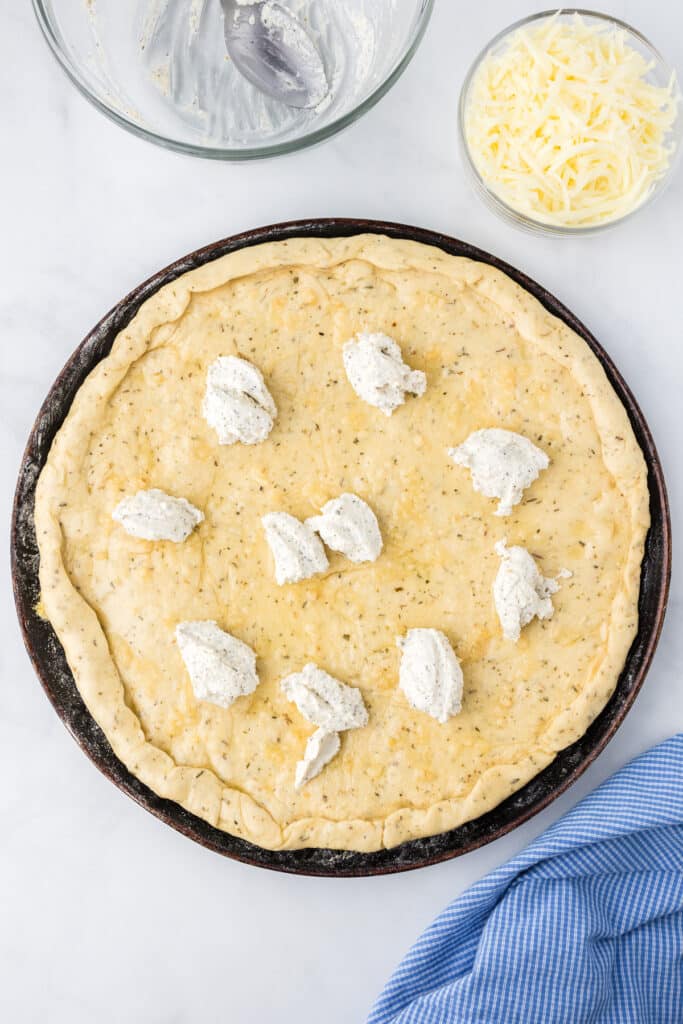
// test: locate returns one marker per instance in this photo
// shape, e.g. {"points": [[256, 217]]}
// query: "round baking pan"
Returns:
{"points": [[53, 671]]}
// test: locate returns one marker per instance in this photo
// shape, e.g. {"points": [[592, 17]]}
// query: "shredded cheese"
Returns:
{"points": [[564, 126]]}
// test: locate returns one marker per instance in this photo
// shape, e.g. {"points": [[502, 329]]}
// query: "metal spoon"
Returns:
{"points": [[270, 47]]}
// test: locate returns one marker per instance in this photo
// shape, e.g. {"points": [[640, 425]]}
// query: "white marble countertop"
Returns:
{"points": [[106, 914]]}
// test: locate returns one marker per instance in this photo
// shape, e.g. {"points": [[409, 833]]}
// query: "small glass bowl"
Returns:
{"points": [[660, 75], [159, 68]]}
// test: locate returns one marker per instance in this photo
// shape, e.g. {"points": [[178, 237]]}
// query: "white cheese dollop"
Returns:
{"points": [[430, 673], [155, 515], [324, 700], [349, 525], [237, 403], [520, 592], [377, 373], [320, 749], [221, 667], [297, 551], [503, 464]]}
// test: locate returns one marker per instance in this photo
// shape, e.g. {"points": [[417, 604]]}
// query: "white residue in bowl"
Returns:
{"points": [[176, 66]]}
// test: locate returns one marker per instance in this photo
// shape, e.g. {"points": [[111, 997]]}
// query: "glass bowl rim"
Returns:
{"points": [[311, 138], [499, 205]]}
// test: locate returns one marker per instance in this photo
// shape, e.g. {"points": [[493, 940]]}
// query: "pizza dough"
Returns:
{"points": [[493, 357]]}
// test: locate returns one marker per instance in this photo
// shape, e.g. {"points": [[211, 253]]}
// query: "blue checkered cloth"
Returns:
{"points": [[586, 925]]}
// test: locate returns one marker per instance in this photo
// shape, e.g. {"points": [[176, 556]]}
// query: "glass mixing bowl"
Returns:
{"points": [[160, 69]]}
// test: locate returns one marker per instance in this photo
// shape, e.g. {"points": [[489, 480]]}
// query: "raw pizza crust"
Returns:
{"points": [[493, 357]]}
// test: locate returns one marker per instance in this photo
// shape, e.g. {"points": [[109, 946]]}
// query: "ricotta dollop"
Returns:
{"points": [[377, 373], [332, 706], [221, 667], [324, 700], [322, 746], [297, 550], [237, 403], [503, 465], [155, 515], [520, 592], [430, 674], [348, 524]]}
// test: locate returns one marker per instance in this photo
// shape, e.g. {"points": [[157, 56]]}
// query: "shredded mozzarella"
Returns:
{"points": [[564, 126]]}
